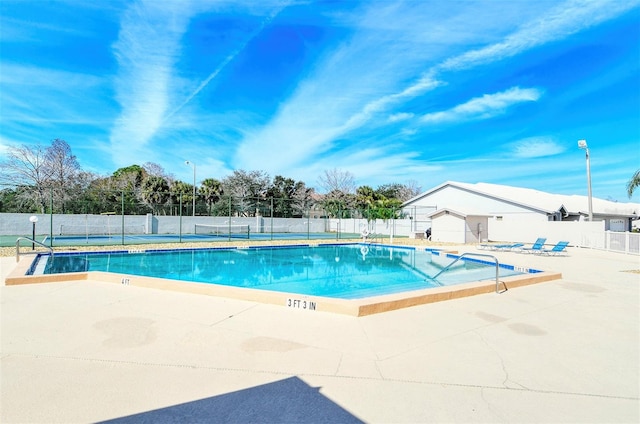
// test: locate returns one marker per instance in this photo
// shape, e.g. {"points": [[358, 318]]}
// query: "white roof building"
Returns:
{"points": [[477, 204], [489, 199]]}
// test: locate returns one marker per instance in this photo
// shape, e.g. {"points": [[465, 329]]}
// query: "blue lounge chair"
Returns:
{"points": [[509, 246], [559, 249], [535, 248]]}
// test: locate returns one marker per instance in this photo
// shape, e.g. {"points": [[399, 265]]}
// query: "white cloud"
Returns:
{"points": [[389, 60], [565, 19], [364, 77], [535, 147], [484, 107], [374, 165], [5, 144], [44, 96], [146, 50], [402, 116], [270, 16], [148, 85]]}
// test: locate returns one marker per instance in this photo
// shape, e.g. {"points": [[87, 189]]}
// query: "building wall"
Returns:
{"points": [[457, 199], [476, 229], [449, 228], [577, 233]]}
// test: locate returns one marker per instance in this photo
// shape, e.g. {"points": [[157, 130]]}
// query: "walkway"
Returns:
{"points": [[563, 351]]}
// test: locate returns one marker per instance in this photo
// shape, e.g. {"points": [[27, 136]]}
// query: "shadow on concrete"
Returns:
{"points": [[285, 401]]}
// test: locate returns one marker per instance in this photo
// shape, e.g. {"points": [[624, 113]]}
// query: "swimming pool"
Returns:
{"points": [[352, 278], [344, 271]]}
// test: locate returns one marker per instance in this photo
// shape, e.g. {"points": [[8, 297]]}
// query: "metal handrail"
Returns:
{"points": [[32, 242], [475, 254]]}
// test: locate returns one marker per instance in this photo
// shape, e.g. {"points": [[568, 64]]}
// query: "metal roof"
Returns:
{"points": [[541, 200]]}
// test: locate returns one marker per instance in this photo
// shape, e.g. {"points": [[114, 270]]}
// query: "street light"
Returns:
{"points": [[582, 144], [33, 220], [194, 185]]}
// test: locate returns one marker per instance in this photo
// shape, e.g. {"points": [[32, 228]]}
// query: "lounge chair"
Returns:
{"points": [[535, 248], [559, 249], [509, 246]]}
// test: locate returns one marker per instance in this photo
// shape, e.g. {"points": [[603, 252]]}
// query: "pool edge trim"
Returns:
{"points": [[354, 307]]}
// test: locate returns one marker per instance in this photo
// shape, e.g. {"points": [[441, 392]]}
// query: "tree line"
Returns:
{"points": [[42, 179]]}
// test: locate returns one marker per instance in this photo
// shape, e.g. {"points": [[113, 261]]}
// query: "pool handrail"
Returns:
{"points": [[32, 243], [476, 254]]}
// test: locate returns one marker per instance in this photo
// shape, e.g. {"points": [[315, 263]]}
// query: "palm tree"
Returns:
{"points": [[155, 192], [633, 183], [211, 190]]}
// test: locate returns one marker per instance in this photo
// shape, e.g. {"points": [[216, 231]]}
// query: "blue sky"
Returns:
{"points": [[391, 91]]}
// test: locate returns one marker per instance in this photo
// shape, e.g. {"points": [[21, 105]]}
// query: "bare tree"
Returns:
{"points": [[153, 169], [246, 188], [413, 188], [402, 192], [26, 166], [337, 180], [63, 169]]}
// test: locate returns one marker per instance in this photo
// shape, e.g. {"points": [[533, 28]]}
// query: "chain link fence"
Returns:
{"points": [[111, 217]]}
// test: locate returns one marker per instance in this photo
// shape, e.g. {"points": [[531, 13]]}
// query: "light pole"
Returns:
{"points": [[194, 185], [33, 220], [582, 144]]}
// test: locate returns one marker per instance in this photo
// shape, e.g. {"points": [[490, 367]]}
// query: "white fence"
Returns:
{"points": [[577, 233], [387, 228], [622, 242]]}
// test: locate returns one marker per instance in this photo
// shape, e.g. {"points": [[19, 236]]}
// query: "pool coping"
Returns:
{"points": [[354, 307]]}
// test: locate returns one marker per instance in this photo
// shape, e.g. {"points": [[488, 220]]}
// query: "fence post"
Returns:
{"points": [[229, 238], [180, 219], [627, 240], [122, 210], [51, 218], [393, 224]]}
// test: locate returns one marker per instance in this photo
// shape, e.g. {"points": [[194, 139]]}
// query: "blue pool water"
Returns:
{"points": [[348, 271]]}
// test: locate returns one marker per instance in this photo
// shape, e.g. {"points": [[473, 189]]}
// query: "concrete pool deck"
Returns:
{"points": [[562, 351]]}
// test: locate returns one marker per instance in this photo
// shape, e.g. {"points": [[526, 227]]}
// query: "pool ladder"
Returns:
{"points": [[476, 254], [33, 242]]}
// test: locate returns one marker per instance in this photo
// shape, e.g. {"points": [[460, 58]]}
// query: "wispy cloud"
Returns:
{"points": [[5, 144], [402, 116], [44, 96], [297, 88], [147, 48], [565, 19], [271, 15], [148, 83], [371, 166], [484, 107], [535, 147], [361, 79]]}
